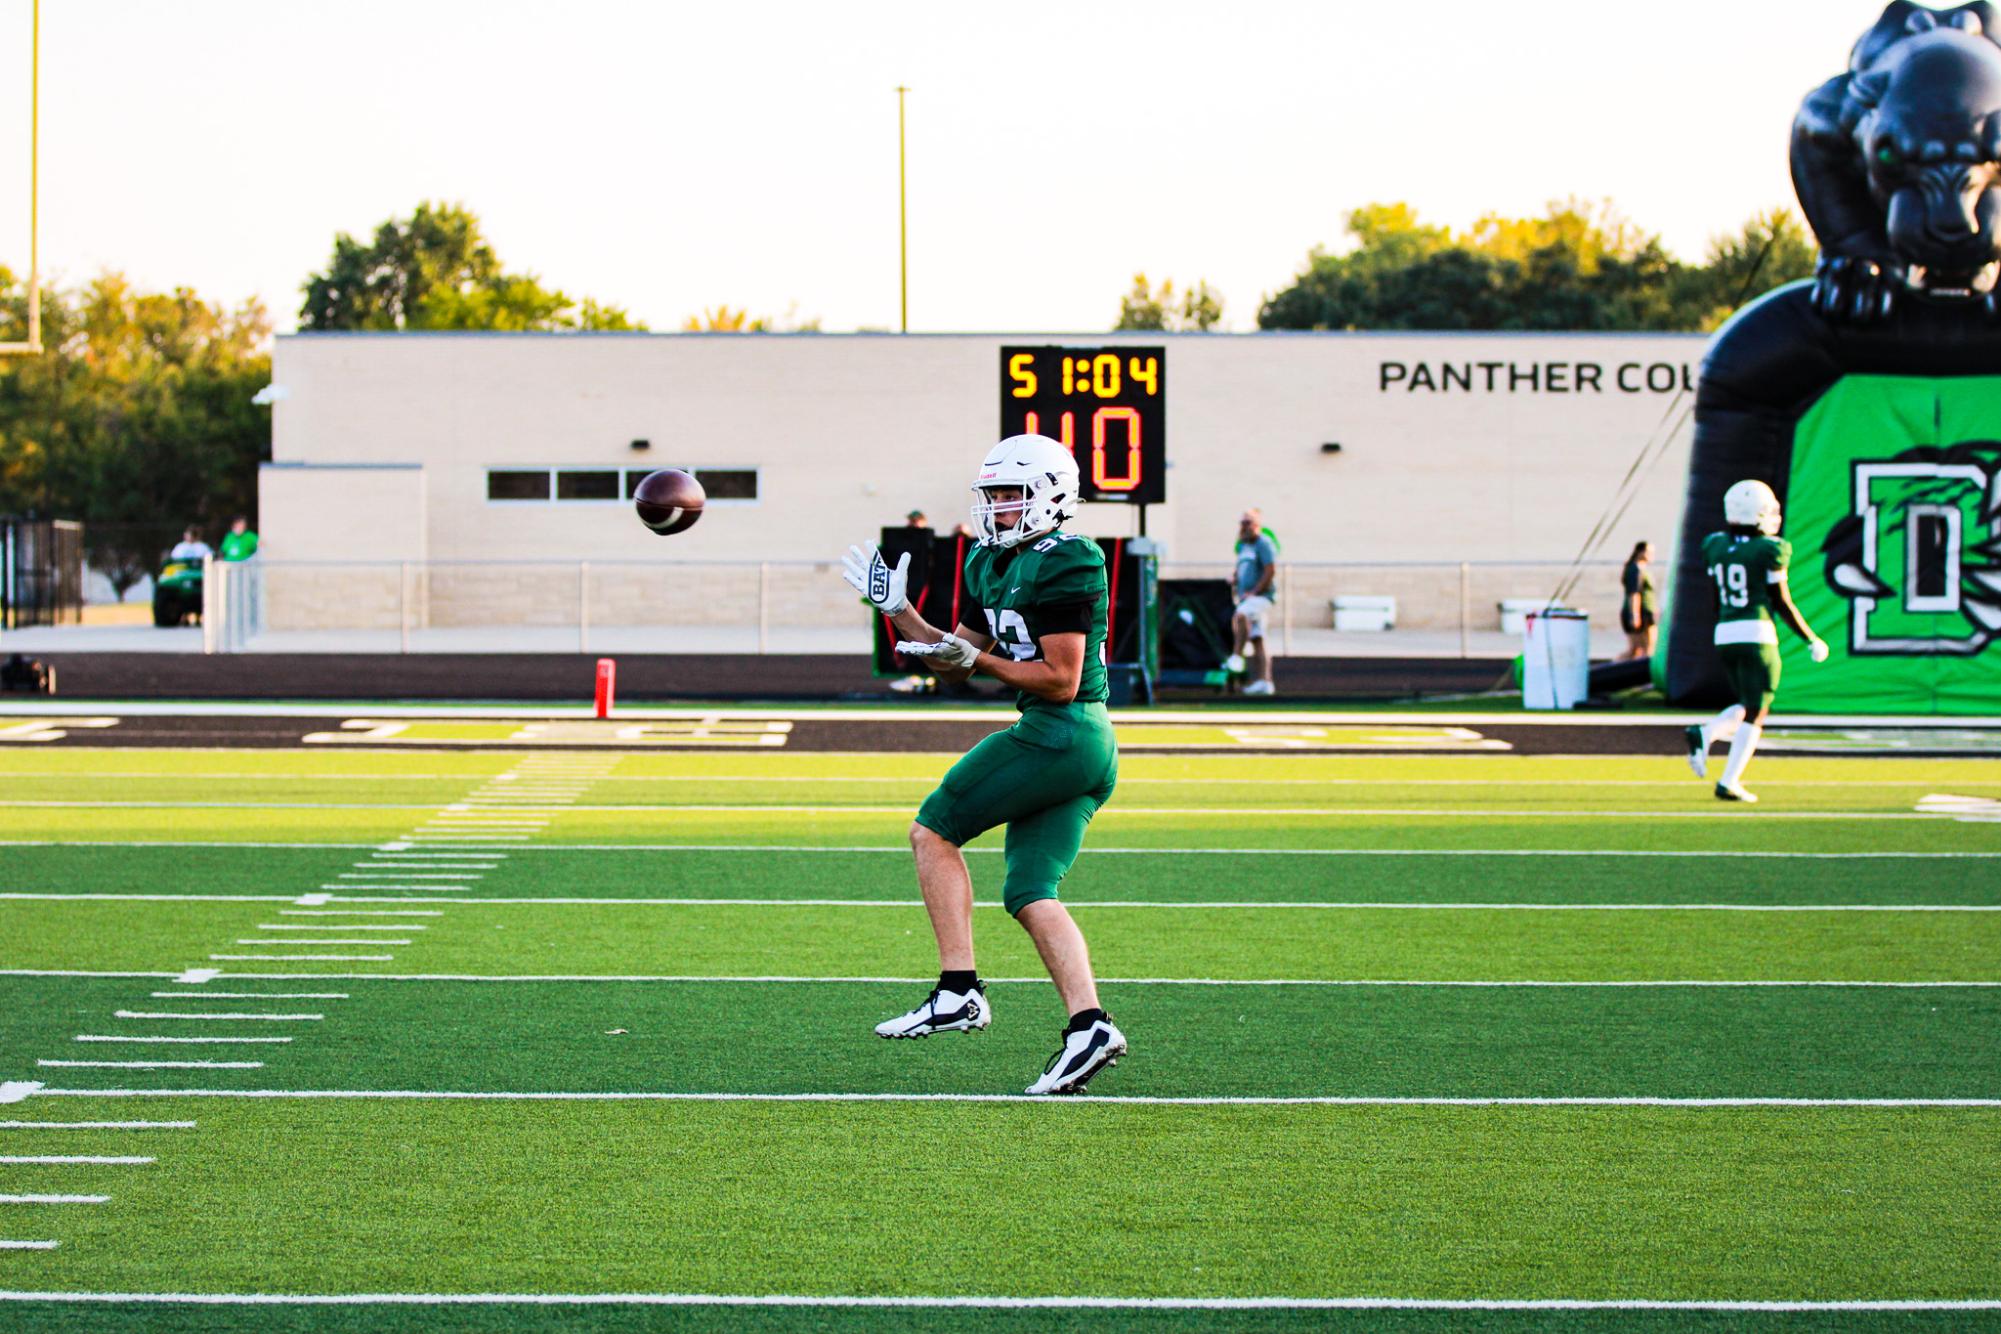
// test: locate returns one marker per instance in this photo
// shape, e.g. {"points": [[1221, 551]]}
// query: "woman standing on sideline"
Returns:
{"points": [[1636, 606]]}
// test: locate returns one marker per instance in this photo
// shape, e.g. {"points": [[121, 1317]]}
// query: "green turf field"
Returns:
{"points": [[1480, 1034]]}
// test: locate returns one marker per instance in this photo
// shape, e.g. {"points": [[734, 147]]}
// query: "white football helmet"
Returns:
{"points": [[1047, 476], [1751, 504]]}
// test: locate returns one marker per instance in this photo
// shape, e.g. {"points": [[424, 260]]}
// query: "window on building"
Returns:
{"points": [[737, 486], [732, 484], [517, 484], [583, 484], [728, 483]]}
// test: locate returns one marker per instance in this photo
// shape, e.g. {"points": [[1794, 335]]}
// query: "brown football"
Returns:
{"points": [[669, 501]]}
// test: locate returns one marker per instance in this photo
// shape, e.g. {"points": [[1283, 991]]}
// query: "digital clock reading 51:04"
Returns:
{"points": [[1108, 405]]}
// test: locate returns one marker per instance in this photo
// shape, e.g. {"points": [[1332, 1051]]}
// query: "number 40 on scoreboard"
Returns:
{"points": [[1108, 405]]}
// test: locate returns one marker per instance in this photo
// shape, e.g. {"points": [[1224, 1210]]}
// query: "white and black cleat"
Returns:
{"points": [[1733, 792], [942, 1012], [1085, 1051], [1698, 751]]}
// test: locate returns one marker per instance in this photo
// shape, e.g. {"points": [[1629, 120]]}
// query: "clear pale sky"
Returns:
{"points": [[668, 157]]}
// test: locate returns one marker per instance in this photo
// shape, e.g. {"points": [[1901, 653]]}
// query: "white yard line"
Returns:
{"points": [[220, 1017], [79, 972], [74, 1159], [337, 926], [1259, 904], [698, 1299], [161, 898], [1114, 811], [156, 1065], [224, 805], [249, 995], [903, 850], [291, 941], [759, 980], [1136, 1100], [1344, 905], [27, 1246], [479, 818], [205, 1041], [54, 1199], [97, 1125], [359, 912], [411, 875], [1863, 983], [1125, 780]]}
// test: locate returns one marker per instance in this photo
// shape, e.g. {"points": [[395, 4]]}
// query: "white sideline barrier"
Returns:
{"points": [[1359, 611]]}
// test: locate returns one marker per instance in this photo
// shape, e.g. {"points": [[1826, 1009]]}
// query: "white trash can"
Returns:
{"points": [[1556, 659]]}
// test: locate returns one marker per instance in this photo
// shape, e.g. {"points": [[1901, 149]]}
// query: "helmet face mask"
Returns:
{"points": [[1044, 473], [1752, 504]]}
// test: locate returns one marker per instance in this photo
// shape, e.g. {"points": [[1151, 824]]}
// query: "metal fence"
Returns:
{"points": [[41, 572], [1442, 609]]}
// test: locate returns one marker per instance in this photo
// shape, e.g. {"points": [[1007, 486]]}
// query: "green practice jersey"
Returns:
{"points": [[1745, 568], [1053, 585]]}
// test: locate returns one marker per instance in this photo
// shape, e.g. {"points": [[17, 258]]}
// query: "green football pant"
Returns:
{"points": [[1044, 793], [1753, 673]]}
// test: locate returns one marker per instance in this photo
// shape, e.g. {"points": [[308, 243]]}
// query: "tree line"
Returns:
{"points": [[138, 419], [1577, 267]]}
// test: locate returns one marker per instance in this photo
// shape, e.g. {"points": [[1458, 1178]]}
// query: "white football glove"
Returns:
{"points": [[872, 577], [950, 651], [1817, 649]]}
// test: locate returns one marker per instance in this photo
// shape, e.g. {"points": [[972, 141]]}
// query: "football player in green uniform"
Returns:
{"points": [[1748, 561], [1041, 629]]}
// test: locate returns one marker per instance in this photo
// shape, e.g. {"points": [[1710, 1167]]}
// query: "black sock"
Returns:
{"points": [[1084, 1019], [960, 980]]}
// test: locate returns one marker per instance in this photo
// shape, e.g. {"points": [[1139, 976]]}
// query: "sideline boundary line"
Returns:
{"points": [[903, 850], [448, 711], [1356, 905], [761, 979], [502, 798], [1007, 1303], [1134, 1100], [780, 808]]}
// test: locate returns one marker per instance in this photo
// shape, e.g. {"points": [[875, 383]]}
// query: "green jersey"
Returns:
{"points": [[1745, 568], [1054, 585]]}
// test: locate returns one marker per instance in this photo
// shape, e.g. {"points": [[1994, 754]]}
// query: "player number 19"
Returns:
{"points": [[1733, 585]]}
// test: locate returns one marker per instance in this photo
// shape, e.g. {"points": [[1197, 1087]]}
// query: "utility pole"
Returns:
{"points": [[902, 217], [33, 345]]}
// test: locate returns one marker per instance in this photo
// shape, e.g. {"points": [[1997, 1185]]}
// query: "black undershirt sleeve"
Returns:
{"points": [[1064, 618]]}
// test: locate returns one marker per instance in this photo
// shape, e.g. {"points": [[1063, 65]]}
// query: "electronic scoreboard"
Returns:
{"points": [[1108, 405]]}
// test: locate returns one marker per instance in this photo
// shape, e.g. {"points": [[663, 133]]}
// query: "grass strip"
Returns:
{"points": [[1188, 1041], [728, 940], [1301, 1201]]}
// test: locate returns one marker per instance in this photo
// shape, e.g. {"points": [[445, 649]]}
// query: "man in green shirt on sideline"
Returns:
{"points": [[239, 543], [1042, 617], [1748, 561]]}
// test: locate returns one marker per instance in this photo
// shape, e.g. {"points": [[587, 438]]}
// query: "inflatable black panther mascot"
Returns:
{"points": [[1870, 398]]}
